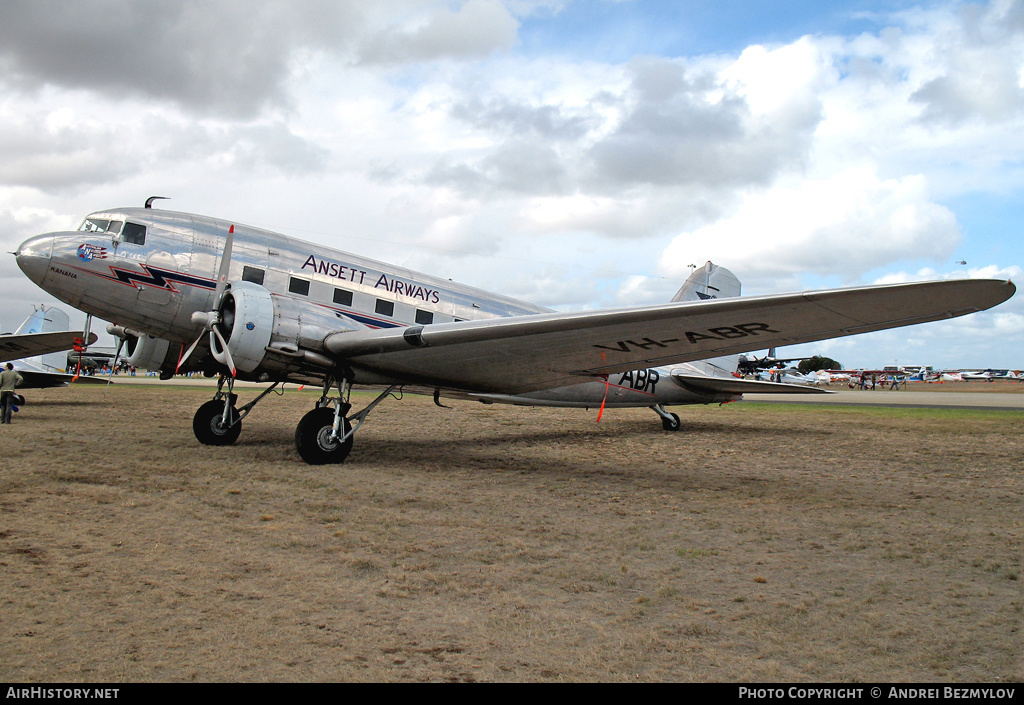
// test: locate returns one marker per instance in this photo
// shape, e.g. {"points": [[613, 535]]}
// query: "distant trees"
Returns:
{"points": [[818, 362]]}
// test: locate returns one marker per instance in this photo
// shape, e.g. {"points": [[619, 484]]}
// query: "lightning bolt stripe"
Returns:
{"points": [[154, 277], [158, 278]]}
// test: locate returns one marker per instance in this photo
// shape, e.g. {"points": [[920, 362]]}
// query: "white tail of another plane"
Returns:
{"points": [[711, 282], [46, 319]]}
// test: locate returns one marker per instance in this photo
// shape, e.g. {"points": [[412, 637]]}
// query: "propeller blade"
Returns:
{"points": [[117, 354], [188, 352], [224, 355], [209, 319], [225, 264]]}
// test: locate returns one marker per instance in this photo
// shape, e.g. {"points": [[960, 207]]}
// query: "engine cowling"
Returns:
{"points": [[247, 323]]}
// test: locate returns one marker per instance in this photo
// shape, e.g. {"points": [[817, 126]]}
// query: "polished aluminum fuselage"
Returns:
{"points": [[154, 287]]}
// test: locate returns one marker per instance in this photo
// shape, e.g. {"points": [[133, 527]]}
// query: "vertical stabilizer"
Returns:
{"points": [[711, 282], [46, 319]]}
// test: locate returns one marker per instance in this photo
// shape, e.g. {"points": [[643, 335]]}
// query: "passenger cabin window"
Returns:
{"points": [[298, 286], [343, 297], [385, 308], [252, 274], [134, 234], [424, 317]]}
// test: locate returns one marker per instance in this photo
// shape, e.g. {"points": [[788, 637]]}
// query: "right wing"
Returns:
{"points": [[528, 353]]}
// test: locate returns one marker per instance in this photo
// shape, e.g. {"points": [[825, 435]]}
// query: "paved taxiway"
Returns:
{"points": [[905, 398]]}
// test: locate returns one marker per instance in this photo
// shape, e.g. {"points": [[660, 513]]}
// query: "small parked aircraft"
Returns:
{"points": [[39, 348], [752, 365], [190, 292]]}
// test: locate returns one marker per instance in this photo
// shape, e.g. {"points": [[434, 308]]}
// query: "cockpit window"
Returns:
{"points": [[134, 234], [101, 225]]}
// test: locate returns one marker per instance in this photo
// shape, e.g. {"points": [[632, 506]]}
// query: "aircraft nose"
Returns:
{"points": [[34, 257]]}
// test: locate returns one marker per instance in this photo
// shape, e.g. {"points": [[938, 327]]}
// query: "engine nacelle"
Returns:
{"points": [[150, 353], [252, 320]]}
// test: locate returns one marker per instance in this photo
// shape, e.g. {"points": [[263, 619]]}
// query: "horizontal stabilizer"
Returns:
{"points": [[702, 384]]}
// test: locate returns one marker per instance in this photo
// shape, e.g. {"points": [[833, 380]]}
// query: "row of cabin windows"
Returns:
{"points": [[342, 297]]}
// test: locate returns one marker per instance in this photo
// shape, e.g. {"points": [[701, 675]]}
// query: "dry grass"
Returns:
{"points": [[762, 543]]}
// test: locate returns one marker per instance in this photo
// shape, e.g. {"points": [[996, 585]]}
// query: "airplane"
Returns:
{"points": [[38, 348], [191, 292], [788, 375], [754, 365]]}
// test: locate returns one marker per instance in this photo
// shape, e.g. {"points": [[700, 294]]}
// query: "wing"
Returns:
{"points": [[528, 353], [15, 347]]}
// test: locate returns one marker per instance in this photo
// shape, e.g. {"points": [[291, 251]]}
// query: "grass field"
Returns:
{"points": [[761, 543]]}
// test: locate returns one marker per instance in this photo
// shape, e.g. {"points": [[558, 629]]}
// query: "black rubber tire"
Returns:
{"points": [[313, 438], [674, 425], [207, 427]]}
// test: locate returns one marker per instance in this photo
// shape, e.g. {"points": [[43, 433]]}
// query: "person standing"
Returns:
{"points": [[9, 379]]}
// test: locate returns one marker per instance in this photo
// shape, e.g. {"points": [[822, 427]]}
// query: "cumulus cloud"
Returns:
{"points": [[228, 57], [656, 130], [844, 223], [477, 28], [981, 60], [738, 128]]}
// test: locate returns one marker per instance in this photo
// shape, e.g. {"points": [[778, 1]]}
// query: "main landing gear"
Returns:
{"points": [[323, 436], [218, 422], [669, 421]]}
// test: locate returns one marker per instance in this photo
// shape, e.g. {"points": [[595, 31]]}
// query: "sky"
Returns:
{"points": [[577, 155]]}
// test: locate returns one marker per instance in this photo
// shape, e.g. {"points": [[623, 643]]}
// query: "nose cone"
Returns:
{"points": [[34, 257]]}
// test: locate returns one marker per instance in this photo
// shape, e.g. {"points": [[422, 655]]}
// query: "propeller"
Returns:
{"points": [[211, 321]]}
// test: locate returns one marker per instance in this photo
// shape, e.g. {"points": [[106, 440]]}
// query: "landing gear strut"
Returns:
{"points": [[669, 421], [325, 434]]}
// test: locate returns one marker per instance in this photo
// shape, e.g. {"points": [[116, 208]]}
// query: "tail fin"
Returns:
{"points": [[46, 319], [711, 282], [708, 282]]}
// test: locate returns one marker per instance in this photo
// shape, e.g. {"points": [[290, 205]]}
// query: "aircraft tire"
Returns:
{"points": [[674, 425], [206, 424], [313, 438]]}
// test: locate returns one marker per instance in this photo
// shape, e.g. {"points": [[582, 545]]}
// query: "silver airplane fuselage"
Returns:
{"points": [[148, 271]]}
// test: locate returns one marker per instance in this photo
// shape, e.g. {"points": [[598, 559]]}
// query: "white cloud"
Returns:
{"points": [[476, 29], [847, 222]]}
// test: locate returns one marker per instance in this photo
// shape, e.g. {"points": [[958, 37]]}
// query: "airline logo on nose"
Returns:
{"points": [[87, 253]]}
